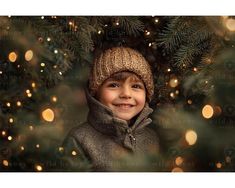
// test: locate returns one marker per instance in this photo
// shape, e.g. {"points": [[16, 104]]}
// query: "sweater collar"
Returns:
{"points": [[102, 119]]}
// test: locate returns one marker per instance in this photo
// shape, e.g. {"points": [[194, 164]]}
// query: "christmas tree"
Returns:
{"points": [[44, 65]]}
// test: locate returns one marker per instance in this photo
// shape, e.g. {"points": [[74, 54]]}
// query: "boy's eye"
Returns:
{"points": [[137, 86], [113, 85]]}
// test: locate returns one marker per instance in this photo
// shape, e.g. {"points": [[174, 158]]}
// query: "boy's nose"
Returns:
{"points": [[125, 92]]}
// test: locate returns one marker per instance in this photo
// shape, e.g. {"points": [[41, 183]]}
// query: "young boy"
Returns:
{"points": [[115, 136]]}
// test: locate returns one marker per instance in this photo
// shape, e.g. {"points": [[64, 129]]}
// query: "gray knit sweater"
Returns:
{"points": [[106, 143]]}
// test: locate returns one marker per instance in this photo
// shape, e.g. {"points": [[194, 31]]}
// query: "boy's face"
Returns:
{"points": [[126, 98]]}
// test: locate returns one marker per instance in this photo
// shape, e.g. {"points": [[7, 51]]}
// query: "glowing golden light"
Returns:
{"points": [[56, 51], [177, 169], [117, 23], [74, 153], [61, 149], [12, 57], [38, 167], [207, 111], [60, 73], [191, 137], [0, 72], [168, 70], [172, 95], [190, 101], [179, 160], [5, 163], [42, 64], [42, 17], [33, 84], [230, 24], [27, 91], [147, 33], [173, 82], [99, 32], [29, 94], [22, 148], [48, 115], [8, 104], [70, 23], [156, 20], [37, 146], [9, 138], [54, 99], [30, 127], [48, 39], [219, 165], [18, 103], [11, 120], [28, 55], [150, 44], [4, 133], [195, 69]]}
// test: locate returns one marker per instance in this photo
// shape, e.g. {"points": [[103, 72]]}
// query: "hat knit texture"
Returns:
{"points": [[120, 59]]}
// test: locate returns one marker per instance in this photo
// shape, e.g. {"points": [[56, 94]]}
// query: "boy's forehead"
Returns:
{"points": [[132, 78]]}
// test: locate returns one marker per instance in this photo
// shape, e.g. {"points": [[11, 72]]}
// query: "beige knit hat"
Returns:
{"points": [[120, 59]]}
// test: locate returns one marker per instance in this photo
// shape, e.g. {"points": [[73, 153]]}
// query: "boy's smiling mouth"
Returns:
{"points": [[124, 105]]}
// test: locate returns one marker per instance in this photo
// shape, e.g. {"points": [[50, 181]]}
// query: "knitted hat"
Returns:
{"points": [[120, 59]]}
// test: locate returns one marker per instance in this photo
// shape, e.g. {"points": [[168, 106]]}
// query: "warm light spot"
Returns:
{"points": [[42, 64], [207, 111], [54, 99], [179, 161], [33, 84], [177, 92], [29, 94], [61, 149], [9, 138], [230, 24], [168, 70], [5, 163], [27, 91], [70, 23], [4, 133], [12, 57], [30, 127], [195, 69], [156, 20], [74, 153], [191, 137], [190, 101], [99, 32], [172, 95], [22, 148], [117, 23], [177, 169], [18, 103], [147, 33], [174, 82], [219, 165], [150, 44], [48, 39], [56, 51], [38, 167], [60, 73], [37, 146], [11, 120], [28, 55], [48, 115], [8, 104]]}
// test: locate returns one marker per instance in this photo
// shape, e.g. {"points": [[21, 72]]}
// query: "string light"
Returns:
{"points": [[195, 69], [190, 101], [11, 120], [55, 66], [8, 104], [179, 160], [168, 70], [4, 133], [117, 23], [173, 82], [27, 91], [191, 137], [60, 73], [41, 70], [5, 162], [56, 51], [61, 149], [48, 39], [99, 32], [70, 23], [54, 99], [28, 55], [147, 32], [38, 168], [177, 92], [18, 103], [12, 57], [207, 111], [37, 146], [33, 84], [29, 95], [74, 153], [42, 64], [156, 20], [48, 115], [22, 148], [172, 95], [0, 72], [42, 17], [9, 138], [150, 44]]}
